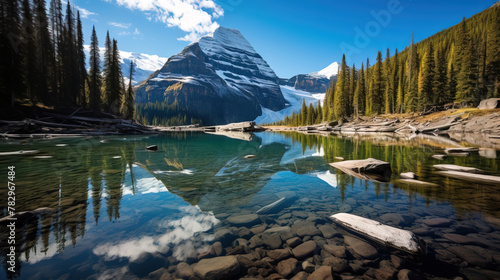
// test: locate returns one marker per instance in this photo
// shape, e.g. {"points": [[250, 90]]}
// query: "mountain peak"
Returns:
{"points": [[226, 37], [330, 70]]}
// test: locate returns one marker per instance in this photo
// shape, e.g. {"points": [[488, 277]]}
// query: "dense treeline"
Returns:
{"points": [[459, 65], [164, 114], [43, 61]]}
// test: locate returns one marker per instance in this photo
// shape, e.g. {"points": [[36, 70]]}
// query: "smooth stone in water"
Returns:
{"points": [[293, 242], [322, 273], [300, 276], [279, 254], [152, 148], [285, 232], [361, 248], [250, 156], [461, 239], [304, 250], [338, 265], [337, 251], [217, 268], [306, 229], [437, 222], [184, 270], [328, 231], [244, 220], [468, 254], [440, 157], [273, 241], [287, 267]]}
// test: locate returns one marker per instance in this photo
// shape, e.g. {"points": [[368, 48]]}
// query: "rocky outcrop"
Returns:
{"points": [[219, 79], [309, 83], [371, 169]]}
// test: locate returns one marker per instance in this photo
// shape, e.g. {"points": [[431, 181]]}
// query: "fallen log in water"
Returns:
{"points": [[472, 177], [414, 182], [270, 207], [30, 152], [452, 167], [397, 238], [368, 169]]}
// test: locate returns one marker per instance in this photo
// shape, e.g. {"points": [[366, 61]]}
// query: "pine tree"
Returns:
{"points": [[128, 104], [466, 58], [56, 23], [116, 78], [359, 94], [426, 79], [353, 80], [378, 86], [311, 116], [492, 68], [400, 91], [440, 94], [319, 113], [69, 60], [95, 81], [452, 83], [387, 78], [394, 82], [82, 72], [340, 100], [45, 55], [106, 72], [28, 52], [303, 113]]}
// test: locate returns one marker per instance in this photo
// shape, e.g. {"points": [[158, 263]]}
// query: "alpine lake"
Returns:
{"points": [[107, 208]]}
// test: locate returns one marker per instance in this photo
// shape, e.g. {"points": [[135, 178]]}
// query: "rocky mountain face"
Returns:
{"points": [[316, 82], [219, 79]]}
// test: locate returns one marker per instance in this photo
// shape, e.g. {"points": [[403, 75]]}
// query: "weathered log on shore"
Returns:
{"points": [[472, 177], [239, 127], [452, 167], [460, 150], [386, 235], [437, 127]]}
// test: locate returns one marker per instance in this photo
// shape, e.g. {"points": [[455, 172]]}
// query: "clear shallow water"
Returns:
{"points": [[117, 210]]}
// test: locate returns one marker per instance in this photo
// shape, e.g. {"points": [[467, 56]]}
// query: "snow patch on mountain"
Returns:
{"points": [[329, 71], [294, 99]]}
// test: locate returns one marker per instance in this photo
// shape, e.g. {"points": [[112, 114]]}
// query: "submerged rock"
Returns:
{"points": [[304, 250], [217, 268], [437, 222], [322, 273], [401, 239], [408, 175], [362, 248], [244, 220], [287, 267], [152, 148]]}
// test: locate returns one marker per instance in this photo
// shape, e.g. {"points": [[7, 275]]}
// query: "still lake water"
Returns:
{"points": [[119, 211]]}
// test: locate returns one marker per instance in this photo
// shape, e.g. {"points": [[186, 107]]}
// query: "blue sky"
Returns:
{"points": [[292, 36]]}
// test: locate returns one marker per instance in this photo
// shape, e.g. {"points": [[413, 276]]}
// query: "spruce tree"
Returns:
{"points": [[303, 113], [28, 52], [440, 94], [56, 23], [467, 76], [128, 104], [106, 72], [378, 86], [492, 68], [353, 80], [311, 116], [359, 94], [45, 54], [95, 81], [340, 100], [426, 79], [394, 81], [387, 78], [82, 71], [116, 78]]}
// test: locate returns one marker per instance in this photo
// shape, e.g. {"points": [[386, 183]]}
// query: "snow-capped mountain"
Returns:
{"points": [[218, 79], [327, 72], [144, 64]]}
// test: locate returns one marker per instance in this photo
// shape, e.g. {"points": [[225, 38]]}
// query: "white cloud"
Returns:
{"points": [[124, 33], [136, 31], [84, 13], [196, 17], [120, 25]]}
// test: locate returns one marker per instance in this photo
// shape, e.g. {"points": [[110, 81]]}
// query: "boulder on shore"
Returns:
{"points": [[371, 169], [488, 104], [400, 239]]}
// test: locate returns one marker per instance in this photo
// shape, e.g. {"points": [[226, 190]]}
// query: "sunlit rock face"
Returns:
{"points": [[219, 79]]}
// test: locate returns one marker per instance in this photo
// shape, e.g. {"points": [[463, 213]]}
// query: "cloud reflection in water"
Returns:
{"points": [[186, 236]]}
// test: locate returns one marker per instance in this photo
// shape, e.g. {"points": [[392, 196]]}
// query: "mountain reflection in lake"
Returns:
{"points": [[113, 209]]}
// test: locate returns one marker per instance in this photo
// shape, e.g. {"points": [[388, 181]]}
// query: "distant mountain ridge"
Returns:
{"points": [[144, 64], [218, 79], [315, 82]]}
